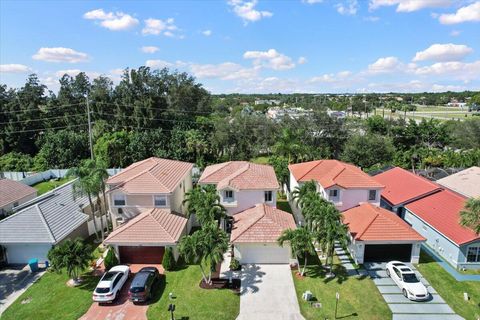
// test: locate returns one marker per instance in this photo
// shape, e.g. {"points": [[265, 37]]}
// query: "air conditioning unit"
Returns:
{"points": [[120, 220]]}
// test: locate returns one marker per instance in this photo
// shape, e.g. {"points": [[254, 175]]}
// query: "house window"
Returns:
{"points": [[473, 254], [333, 193], [228, 195], [119, 200], [268, 196], [372, 194], [160, 201]]}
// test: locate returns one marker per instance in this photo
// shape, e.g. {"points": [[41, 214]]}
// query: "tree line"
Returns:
{"points": [[169, 114]]}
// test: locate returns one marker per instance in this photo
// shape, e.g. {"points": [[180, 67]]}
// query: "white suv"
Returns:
{"points": [[407, 281], [110, 284]]}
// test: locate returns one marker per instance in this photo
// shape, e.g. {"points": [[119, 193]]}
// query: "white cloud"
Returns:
{"points": [[464, 71], [207, 33], [270, 59], [384, 65], [409, 5], [14, 68], [455, 33], [158, 64], [350, 8], [60, 54], [371, 18], [74, 72], [114, 21], [223, 71], [443, 52], [411, 86], [246, 10], [312, 1], [159, 27], [149, 49], [469, 13], [302, 60], [331, 77]]}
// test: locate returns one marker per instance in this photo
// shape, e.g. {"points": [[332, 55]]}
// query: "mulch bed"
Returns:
{"points": [[221, 284], [299, 276]]}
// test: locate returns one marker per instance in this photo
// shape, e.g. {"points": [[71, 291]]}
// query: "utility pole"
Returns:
{"points": [[89, 128]]}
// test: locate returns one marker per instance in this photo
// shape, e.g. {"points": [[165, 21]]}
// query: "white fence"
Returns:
{"points": [[31, 178], [91, 226]]}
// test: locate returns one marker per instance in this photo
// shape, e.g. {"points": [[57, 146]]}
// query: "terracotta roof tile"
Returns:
{"points": [[153, 226], [333, 172], [441, 210], [12, 191], [152, 175], [367, 222], [240, 175], [402, 186], [261, 223]]}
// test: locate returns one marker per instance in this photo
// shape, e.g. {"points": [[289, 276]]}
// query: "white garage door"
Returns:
{"points": [[21, 253], [262, 253]]}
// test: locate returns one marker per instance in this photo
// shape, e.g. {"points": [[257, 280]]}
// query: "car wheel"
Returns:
{"points": [[388, 272], [405, 293]]}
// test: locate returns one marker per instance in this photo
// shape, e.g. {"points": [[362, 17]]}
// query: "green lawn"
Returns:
{"points": [[260, 160], [450, 289], [192, 302], [283, 204], [50, 298], [46, 186], [359, 297]]}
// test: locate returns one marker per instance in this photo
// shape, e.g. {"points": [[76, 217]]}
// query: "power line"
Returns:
{"points": [[48, 108], [42, 119], [51, 128]]}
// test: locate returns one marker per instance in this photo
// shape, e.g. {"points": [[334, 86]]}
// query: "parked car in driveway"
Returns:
{"points": [[110, 284], [407, 281], [142, 286]]}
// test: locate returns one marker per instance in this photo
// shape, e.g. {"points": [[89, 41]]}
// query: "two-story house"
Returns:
{"points": [[146, 204], [341, 183], [242, 185]]}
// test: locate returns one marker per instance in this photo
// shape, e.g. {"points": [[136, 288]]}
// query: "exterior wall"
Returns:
{"points": [[245, 199], [462, 257], [179, 194], [349, 198], [81, 231], [9, 207], [20, 253], [444, 247]]}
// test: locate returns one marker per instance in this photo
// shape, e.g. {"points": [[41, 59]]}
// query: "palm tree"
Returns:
{"points": [[86, 184], [470, 216], [300, 241], [205, 247], [101, 175], [73, 255], [287, 144], [302, 191], [204, 202]]}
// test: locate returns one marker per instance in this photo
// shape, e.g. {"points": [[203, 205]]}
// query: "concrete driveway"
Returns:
{"points": [[403, 308], [14, 280], [268, 293]]}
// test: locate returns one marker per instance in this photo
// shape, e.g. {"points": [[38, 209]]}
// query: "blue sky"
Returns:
{"points": [[250, 46]]}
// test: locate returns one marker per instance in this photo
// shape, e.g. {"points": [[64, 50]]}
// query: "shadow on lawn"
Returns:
{"points": [[315, 269]]}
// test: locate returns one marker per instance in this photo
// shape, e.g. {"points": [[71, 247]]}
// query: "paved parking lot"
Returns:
{"points": [[403, 308]]}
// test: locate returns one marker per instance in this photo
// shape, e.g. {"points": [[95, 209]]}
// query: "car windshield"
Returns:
{"points": [[102, 290], [410, 278], [109, 276], [137, 289]]}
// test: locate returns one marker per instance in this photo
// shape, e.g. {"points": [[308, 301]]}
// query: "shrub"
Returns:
{"points": [[234, 264], [110, 259], [168, 259]]}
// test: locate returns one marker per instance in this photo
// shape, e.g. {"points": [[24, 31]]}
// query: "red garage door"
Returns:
{"points": [[152, 255]]}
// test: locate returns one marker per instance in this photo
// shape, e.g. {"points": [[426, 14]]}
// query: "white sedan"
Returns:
{"points": [[407, 281], [110, 284]]}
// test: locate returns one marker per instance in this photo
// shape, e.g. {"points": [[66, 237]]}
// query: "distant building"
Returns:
{"points": [[276, 113], [270, 102], [466, 182], [336, 114], [14, 193]]}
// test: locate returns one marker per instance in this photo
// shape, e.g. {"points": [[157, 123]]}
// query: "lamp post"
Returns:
{"points": [[337, 297]]}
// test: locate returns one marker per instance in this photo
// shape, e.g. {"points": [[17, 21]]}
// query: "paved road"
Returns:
{"points": [[268, 293], [403, 308]]}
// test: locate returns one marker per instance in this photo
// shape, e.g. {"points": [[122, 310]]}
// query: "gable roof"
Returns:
{"points": [[441, 210], [367, 222], [329, 173], [402, 186], [465, 182], [153, 226], [261, 223], [12, 191], [152, 175], [49, 219], [240, 175]]}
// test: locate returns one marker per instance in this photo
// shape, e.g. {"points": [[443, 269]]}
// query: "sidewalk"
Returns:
{"points": [[447, 267], [345, 260]]}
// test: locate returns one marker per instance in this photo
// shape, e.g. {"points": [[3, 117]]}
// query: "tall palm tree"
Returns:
{"points": [[205, 247], [300, 241], [86, 184], [470, 216], [204, 202], [101, 175], [73, 255], [287, 144], [301, 192]]}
